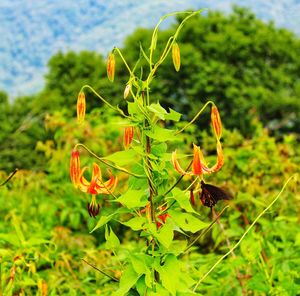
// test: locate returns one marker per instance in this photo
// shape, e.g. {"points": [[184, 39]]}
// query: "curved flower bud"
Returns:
{"points": [[176, 56], [128, 136], [127, 90], [216, 122], [81, 106], [75, 168], [111, 67]]}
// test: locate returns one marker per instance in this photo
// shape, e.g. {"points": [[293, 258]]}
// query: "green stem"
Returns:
{"points": [[195, 117], [161, 20], [170, 42], [101, 271], [124, 61], [103, 100], [187, 189], [107, 163], [9, 177], [206, 230], [178, 181], [243, 236]]}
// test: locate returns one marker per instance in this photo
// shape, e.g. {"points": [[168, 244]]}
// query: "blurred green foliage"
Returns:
{"points": [[44, 232], [251, 70]]}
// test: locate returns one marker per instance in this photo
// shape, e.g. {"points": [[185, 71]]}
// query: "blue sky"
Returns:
{"points": [[32, 31]]}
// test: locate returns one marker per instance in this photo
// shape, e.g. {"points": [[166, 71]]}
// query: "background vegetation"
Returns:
{"points": [[250, 69]]}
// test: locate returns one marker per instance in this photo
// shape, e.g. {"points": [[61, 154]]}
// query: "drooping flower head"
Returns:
{"points": [[199, 166], [93, 187]]}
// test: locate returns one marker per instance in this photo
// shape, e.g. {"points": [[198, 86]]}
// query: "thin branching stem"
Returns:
{"points": [[101, 271]]}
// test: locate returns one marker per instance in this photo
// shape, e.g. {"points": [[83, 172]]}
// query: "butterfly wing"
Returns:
{"points": [[211, 194]]}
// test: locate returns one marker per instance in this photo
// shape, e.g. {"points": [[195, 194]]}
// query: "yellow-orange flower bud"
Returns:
{"points": [[81, 106], [127, 90], [75, 168], [128, 136], [111, 67], [176, 56], [216, 122]]}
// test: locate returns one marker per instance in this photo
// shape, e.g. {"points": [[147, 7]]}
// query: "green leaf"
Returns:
{"points": [[158, 110], [133, 108], [169, 273], [141, 263], [103, 220], [10, 238], [161, 134], [177, 247], [112, 241], [160, 291], [159, 149], [187, 222], [257, 283], [136, 223], [122, 158], [127, 281], [173, 115], [183, 199], [133, 199], [165, 235], [141, 286]]}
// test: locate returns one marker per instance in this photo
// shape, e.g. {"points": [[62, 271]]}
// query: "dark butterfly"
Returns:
{"points": [[211, 194]]}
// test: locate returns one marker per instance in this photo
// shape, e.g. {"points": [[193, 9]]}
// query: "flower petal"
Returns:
{"points": [[107, 187], [196, 166], [220, 161], [176, 164]]}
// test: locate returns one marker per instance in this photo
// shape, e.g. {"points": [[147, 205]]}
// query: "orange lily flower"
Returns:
{"points": [[216, 122], [81, 106], [95, 186], [128, 136], [199, 166]]}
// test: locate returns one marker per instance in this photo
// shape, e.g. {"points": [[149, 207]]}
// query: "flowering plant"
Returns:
{"points": [[160, 207]]}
